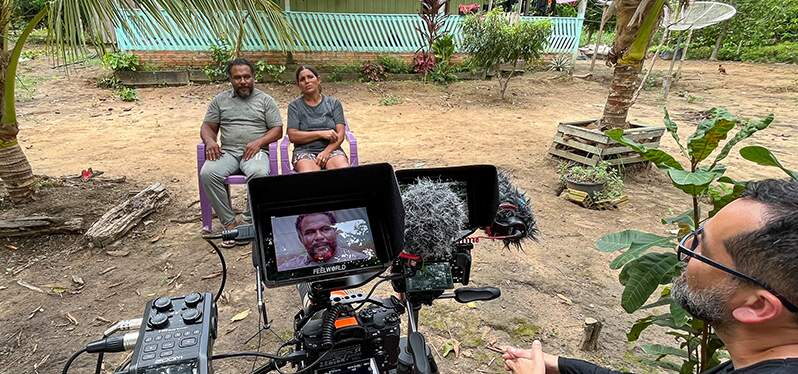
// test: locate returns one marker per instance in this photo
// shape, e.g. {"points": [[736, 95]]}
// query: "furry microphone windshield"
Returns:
{"points": [[514, 217], [434, 215]]}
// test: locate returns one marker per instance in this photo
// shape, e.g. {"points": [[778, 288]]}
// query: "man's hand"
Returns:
{"points": [[212, 151], [251, 149], [530, 361], [329, 135], [322, 158]]}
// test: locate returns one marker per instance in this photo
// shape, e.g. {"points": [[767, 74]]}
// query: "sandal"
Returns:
{"points": [[228, 244]]}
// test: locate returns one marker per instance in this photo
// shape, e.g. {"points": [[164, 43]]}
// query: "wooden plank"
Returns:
{"points": [[626, 161], [570, 156], [574, 144], [584, 134]]}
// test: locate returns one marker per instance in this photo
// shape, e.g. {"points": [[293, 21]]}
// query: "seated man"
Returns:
{"points": [[318, 235], [248, 120], [741, 277]]}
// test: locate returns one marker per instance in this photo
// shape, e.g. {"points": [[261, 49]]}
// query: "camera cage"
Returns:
{"points": [[371, 187]]}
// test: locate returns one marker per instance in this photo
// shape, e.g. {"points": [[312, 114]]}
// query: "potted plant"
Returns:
{"points": [[601, 182]]}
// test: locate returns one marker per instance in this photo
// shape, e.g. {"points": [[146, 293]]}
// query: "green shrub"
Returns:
{"points": [[220, 56], [121, 61], [264, 69], [127, 94], [390, 100], [699, 53], [394, 65], [783, 52], [111, 82]]}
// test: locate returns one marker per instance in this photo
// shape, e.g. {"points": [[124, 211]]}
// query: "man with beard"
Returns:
{"points": [[741, 276], [248, 120], [317, 233]]}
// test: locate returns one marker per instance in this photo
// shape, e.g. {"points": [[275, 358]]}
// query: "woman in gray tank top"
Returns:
{"points": [[316, 125]]}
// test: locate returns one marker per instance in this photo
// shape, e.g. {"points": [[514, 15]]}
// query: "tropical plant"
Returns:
{"points": [[221, 54], [432, 19], [492, 41], [423, 62], [74, 25], [120, 61], [372, 72], [263, 69], [643, 272], [601, 173], [109, 82], [444, 71], [394, 65], [127, 94], [561, 63], [636, 22]]}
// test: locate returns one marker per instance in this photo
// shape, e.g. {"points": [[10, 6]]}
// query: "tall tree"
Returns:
{"points": [[75, 25], [635, 24]]}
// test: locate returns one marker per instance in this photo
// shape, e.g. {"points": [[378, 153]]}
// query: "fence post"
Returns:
{"points": [[580, 15]]}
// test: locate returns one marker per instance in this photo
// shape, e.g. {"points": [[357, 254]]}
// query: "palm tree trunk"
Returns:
{"points": [[15, 171], [622, 89]]}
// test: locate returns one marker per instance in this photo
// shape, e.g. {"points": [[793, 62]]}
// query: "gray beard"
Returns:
{"points": [[710, 304]]}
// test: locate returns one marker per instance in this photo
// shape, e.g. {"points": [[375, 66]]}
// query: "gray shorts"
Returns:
{"points": [[312, 156]]}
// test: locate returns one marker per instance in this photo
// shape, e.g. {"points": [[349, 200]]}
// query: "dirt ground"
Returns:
{"points": [[548, 289]]}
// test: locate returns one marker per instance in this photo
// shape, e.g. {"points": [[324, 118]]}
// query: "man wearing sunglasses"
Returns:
{"points": [[741, 276]]}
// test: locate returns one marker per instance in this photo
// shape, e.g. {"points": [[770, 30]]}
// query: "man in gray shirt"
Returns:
{"points": [[248, 120]]}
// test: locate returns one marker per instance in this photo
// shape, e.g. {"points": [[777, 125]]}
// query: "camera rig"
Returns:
{"points": [[339, 329]]}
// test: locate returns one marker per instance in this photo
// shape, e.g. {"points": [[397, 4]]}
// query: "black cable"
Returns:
{"points": [[245, 354], [314, 363], [355, 309], [99, 367], [69, 362], [224, 269]]}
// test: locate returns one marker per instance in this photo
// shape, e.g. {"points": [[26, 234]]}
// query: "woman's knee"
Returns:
{"points": [[302, 166], [337, 162]]}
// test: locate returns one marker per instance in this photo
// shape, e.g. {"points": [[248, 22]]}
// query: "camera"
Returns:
{"points": [[329, 233]]}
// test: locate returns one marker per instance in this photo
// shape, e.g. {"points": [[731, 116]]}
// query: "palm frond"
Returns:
{"points": [[74, 25]]}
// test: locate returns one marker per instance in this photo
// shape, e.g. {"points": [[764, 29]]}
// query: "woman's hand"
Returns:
{"points": [[322, 158], [530, 361], [329, 135]]}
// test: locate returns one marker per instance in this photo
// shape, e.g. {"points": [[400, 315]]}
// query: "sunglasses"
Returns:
{"points": [[684, 253]]}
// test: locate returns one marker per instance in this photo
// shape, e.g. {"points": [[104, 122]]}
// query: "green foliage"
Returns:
{"points": [[27, 9], [390, 100], [491, 40], [602, 173], [443, 74], [127, 94], [336, 74], [782, 52], [120, 61], [394, 65], [644, 271], [220, 56], [759, 28], [110, 82], [264, 69], [444, 71], [561, 63], [372, 72]]}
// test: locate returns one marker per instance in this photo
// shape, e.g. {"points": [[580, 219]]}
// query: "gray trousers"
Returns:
{"points": [[214, 172]]}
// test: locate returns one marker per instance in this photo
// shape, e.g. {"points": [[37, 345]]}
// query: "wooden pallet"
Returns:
{"points": [[585, 200], [576, 142]]}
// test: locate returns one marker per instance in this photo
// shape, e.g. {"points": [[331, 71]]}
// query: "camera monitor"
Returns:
{"points": [[477, 186], [327, 224]]}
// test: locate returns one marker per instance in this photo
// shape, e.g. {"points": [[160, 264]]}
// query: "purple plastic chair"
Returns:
{"points": [[205, 203], [288, 168]]}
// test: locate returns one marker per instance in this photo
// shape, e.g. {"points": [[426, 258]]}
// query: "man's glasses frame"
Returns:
{"points": [[683, 252]]}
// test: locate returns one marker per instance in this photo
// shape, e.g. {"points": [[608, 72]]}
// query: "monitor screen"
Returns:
{"points": [[323, 238]]}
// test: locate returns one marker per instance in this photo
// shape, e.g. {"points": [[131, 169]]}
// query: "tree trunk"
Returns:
{"points": [[39, 225], [718, 43], [15, 171], [121, 218], [622, 89]]}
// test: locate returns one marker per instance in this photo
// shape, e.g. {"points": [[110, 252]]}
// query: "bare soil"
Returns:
{"points": [[548, 289]]}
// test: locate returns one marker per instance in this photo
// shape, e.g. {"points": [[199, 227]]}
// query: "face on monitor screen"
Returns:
{"points": [[323, 238]]}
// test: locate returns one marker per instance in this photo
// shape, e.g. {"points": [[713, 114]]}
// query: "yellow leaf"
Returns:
{"points": [[472, 305], [240, 316]]}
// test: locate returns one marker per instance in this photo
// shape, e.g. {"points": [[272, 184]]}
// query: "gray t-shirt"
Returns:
{"points": [[324, 116], [242, 120]]}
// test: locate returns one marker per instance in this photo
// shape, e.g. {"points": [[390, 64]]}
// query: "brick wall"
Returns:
{"points": [[182, 59]]}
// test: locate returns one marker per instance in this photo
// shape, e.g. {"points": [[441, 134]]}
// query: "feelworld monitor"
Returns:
{"points": [[327, 224]]}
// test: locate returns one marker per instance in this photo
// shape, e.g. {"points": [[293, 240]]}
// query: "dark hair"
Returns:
{"points": [[304, 67], [770, 253], [237, 62], [300, 217]]}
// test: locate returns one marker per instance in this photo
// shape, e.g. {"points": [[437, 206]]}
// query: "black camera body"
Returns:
{"points": [[365, 341]]}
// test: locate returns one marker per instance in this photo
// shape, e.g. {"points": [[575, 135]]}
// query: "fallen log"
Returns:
{"points": [[120, 219], [39, 225]]}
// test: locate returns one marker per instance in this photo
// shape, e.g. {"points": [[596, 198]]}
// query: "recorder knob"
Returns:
{"points": [[158, 321], [162, 304]]}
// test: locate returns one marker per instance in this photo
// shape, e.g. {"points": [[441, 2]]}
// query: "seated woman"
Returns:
{"points": [[316, 125]]}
